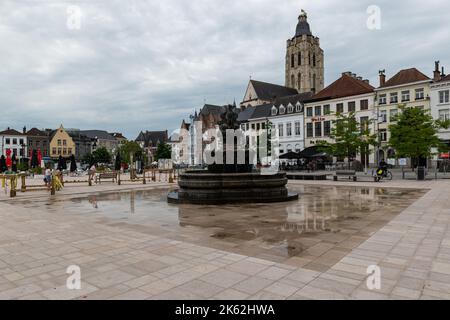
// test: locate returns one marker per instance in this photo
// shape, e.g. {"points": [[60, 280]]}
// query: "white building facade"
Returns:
{"points": [[440, 104], [15, 141]]}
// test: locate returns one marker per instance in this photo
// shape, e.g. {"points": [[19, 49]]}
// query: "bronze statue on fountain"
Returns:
{"points": [[235, 181]]}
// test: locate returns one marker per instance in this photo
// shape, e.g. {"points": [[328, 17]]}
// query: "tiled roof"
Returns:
{"points": [[446, 78], [11, 132], [37, 132], [267, 91], [301, 97], [263, 111], [405, 76], [345, 86], [99, 134], [152, 138], [212, 109], [246, 114]]}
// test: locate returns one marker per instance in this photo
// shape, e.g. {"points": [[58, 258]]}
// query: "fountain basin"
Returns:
{"points": [[203, 187]]}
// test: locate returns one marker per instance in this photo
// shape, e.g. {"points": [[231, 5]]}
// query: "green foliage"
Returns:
{"points": [[131, 147], [163, 151], [350, 137], [101, 155], [415, 133], [89, 159]]}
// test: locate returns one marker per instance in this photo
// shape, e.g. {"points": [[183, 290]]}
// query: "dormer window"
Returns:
{"points": [[274, 111], [282, 109], [298, 107], [290, 108]]}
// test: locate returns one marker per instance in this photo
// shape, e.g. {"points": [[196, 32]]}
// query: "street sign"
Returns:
{"points": [[402, 161]]}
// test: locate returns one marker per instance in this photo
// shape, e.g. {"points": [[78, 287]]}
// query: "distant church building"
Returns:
{"points": [[304, 59]]}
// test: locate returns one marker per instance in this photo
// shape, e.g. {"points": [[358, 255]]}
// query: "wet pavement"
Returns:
{"points": [[314, 232]]}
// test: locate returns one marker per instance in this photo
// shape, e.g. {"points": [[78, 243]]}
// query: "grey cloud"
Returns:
{"points": [[147, 64]]}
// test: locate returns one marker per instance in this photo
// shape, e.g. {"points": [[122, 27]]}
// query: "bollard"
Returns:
{"points": [[153, 175], [23, 181], [143, 180], [118, 178], [12, 192]]}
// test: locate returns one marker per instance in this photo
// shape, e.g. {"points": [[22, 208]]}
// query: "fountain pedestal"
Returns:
{"points": [[203, 187]]}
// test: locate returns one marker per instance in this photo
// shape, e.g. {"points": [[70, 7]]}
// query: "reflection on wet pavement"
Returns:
{"points": [[315, 232]]}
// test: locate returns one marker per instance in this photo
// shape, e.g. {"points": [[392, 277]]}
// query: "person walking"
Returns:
{"points": [[48, 178]]}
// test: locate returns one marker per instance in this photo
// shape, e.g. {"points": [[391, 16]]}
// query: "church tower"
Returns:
{"points": [[304, 59]]}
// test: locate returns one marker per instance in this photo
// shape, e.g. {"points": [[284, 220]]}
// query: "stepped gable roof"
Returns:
{"points": [[405, 76], [345, 86]]}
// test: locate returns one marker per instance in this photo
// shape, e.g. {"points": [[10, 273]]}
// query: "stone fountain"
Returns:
{"points": [[231, 183]]}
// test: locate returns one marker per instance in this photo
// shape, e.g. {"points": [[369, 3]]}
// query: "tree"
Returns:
{"points": [[130, 147], [414, 134], [350, 137], [3, 166], [89, 159], [118, 162], [163, 151], [101, 155]]}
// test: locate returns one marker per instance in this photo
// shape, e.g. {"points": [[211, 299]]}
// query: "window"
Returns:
{"points": [[326, 109], [309, 112], [298, 107], [64, 151], [7, 141], [297, 128], [309, 130], [53, 150], [314, 60], [289, 129], [290, 108], [64, 143], [444, 114], [327, 128], [352, 106], [59, 151], [21, 141], [393, 114], [280, 130], [318, 111], [420, 95], [263, 126], [364, 104], [405, 96], [382, 99], [383, 116], [299, 58], [21, 152], [274, 111], [444, 96], [59, 142], [247, 126], [257, 126], [340, 108], [383, 135], [292, 60], [282, 109], [318, 129], [253, 126], [14, 141], [394, 97]]}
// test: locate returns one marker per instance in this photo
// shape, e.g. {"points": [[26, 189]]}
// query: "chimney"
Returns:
{"points": [[353, 75], [436, 73], [347, 73], [442, 73], [24, 130], [366, 81], [359, 78], [382, 74]]}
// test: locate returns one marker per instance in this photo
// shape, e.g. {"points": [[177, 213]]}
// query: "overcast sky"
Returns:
{"points": [[147, 64]]}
